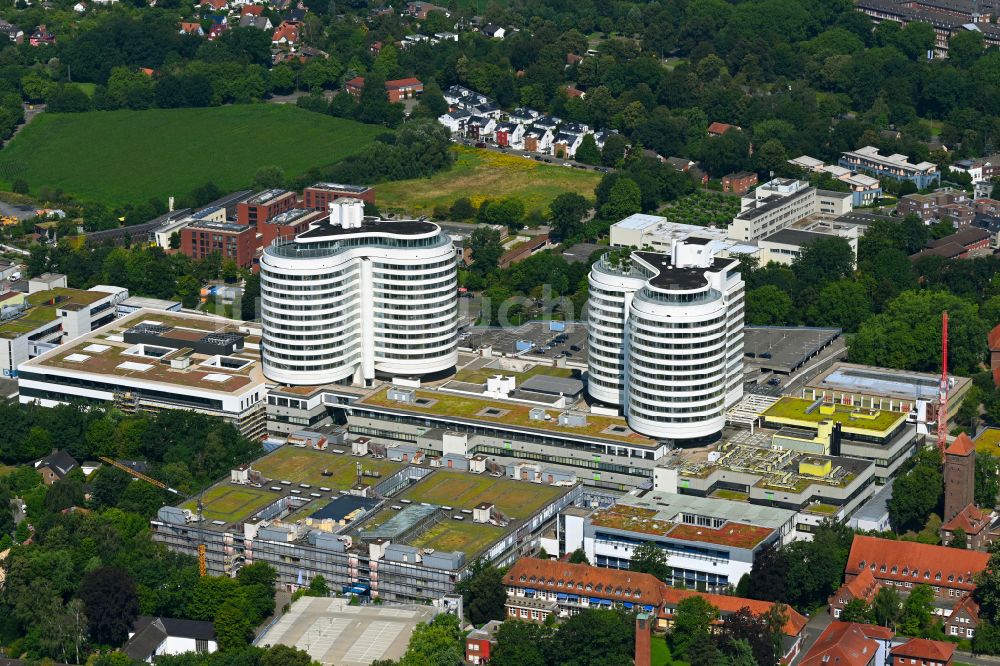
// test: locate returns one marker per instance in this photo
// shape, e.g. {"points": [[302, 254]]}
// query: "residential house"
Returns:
{"points": [[455, 121], [419, 10], [446, 36], [538, 140], [287, 33], [191, 28], [218, 27], [924, 652], [254, 21], [488, 108], [479, 643], [523, 116], [215, 5], [565, 143], [510, 135], [849, 644], [13, 33], [295, 15], [547, 122], [461, 97], [573, 91], [55, 466], [252, 10], [480, 127], [493, 31], [155, 636], [600, 136], [942, 202], [41, 37], [739, 183], [410, 40], [718, 129], [980, 170], [573, 59], [80, 7], [964, 618], [863, 586]]}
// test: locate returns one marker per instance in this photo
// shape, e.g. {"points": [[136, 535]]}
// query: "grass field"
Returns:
{"points": [[485, 174], [516, 499], [231, 503], [129, 156], [297, 465], [482, 374], [988, 441]]}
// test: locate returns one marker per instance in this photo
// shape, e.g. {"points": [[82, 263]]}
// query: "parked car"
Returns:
{"points": [[575, 347]]}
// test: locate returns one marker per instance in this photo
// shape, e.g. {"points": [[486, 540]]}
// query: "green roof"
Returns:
{"points": [[854, 418], [42, 309]]}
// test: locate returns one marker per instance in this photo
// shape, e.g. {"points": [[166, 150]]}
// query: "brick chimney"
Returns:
{"points": [[642, 637]]}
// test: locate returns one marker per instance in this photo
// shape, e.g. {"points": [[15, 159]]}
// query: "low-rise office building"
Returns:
{"points": [[779, 203], [897, 167], [50, 315], [786, 245], [237, 242], [151, 361], [709, 544], [262, 206], [642, 230]]}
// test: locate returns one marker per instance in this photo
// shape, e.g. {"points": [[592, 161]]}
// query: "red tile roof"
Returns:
{"points": [[356, 82], [967, 604], [962, 446], [863, 586], [190, 27], [287, 31], [934, 565], [403, 83], [721, 128], [971, 520], [252, 10], [921, 648], [843, 644], [621, 585]]}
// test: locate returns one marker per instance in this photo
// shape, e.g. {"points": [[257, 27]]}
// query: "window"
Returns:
{"points": [[200, 645]]}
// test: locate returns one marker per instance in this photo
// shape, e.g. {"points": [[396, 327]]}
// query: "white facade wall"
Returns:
{"points": [[670, 354], [346, 304]]}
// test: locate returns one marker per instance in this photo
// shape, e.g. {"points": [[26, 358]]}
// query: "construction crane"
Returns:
{"points": [[942, 415], [139, 475], [202, 564]]}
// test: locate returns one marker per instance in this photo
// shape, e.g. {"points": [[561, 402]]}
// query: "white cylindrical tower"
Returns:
{"points": [[357, 299]]}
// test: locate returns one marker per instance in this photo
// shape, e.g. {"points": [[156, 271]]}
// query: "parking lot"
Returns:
{"points": [[546, 344]]}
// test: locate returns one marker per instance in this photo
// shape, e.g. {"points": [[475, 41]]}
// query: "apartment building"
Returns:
{"points": [[287, 225], [318, 196], [942, 202], [262, 206], [233, 241], [897, 167]]}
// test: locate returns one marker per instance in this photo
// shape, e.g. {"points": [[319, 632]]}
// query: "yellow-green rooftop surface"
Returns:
{"points": [[512, 414], [855, 418], [988, 441], [43, 306]]}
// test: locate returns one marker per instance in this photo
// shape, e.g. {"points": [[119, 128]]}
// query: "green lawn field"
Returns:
{"points": [[129, 156], [466, 536], [230, 503], [485, 174]]}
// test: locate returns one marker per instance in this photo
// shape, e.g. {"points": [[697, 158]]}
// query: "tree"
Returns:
{"points": [[373, 105], [824, 260], [693, 619], [486, 249], [702, 651], [521, 644], [761, 633], [318, 587], [566, 214], [233, 624], [769, 306], [483, 593], [885, 607], [916, 493], [208, 596], [918, 611], [624, 199], [258, 573], [578, 556], [987, 479], [462, 209], [650, 558], [432, 103], [595, 638], [438, 642], [283, 655], [614, 150], [588, 152], [111, 604], [959, 539], [856, 610], [268, 177]]}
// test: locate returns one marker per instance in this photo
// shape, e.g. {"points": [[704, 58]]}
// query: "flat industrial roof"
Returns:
{"points": [[334, 632], [556, 385], [784, 349], [902, 384], [795, 237], [639, 221]]}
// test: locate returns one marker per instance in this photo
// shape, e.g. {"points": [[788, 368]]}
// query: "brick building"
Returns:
{"points": [[943, 202], [924, 652], [479, 643], [318, 196], [262, 206], [959, 245], [739, 183], [233, 241], [906, 564], [396, 90], [863, 586], [288, 224]]}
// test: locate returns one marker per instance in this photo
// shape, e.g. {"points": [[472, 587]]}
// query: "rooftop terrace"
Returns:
{"points": [[42, 310], [506, 414], [855, 419]]}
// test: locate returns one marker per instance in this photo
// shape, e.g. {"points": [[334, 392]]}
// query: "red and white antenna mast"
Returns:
{"points": [[942, 411]]}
